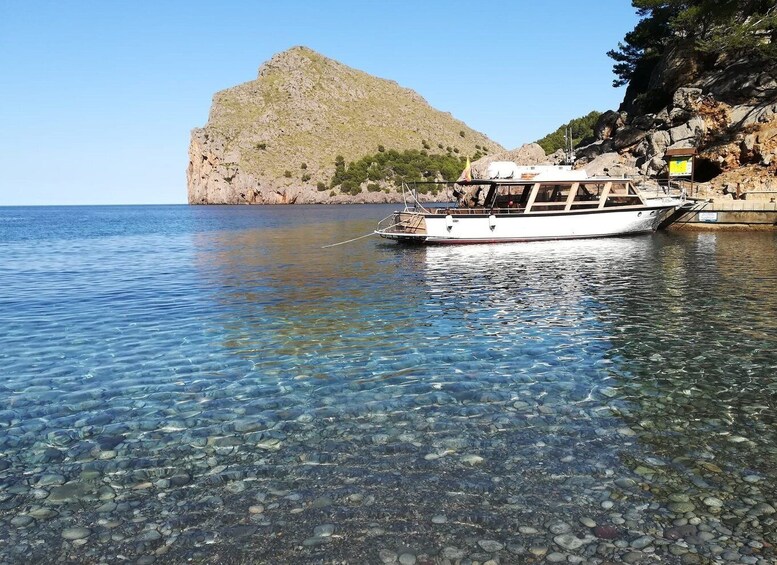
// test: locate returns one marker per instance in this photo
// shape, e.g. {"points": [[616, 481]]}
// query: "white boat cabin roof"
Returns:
{"points": [[508, 170]]}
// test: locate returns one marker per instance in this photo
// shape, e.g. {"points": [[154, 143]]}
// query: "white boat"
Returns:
{"points": [[531, 203]]}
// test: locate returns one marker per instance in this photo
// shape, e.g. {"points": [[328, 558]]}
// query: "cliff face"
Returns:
{"points": [[728, 112], [274, 140]]}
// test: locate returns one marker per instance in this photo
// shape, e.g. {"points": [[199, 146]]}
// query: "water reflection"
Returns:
{"points": [[287, 303], [697, 359]]}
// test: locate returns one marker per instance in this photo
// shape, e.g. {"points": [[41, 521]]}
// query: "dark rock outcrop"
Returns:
{"points": [[729, 114]]}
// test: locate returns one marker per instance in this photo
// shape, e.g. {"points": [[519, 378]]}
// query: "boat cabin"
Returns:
{"points": [[525, 196]]}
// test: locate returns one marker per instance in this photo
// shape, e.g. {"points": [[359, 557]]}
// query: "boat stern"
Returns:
{"points": [[407, 225]]}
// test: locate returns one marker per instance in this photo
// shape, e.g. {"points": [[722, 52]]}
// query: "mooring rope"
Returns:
{"points": [[347, 241], [358, 238]]}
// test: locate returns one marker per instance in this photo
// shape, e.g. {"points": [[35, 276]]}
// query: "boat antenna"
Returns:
{"points": [[568, 149]]}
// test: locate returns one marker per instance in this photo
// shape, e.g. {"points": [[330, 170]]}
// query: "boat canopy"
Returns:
{"points": [[509, 170]]}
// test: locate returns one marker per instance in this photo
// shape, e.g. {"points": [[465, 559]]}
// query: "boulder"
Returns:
{"points": [[687, 99], [608, 123], [592, 151], [627, 137], [641, 149], [689, 133], [657, 142], [679, 116], [557, 158], [644, 122], [685, 103], [748, 143], [654, 167], [662, 118], [612, 165]]}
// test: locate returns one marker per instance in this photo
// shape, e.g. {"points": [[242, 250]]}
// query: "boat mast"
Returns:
{"points": [[569, 157]]}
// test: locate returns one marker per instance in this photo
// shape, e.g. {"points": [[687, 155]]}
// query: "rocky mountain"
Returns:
{"points": [[726, 109], [275, 140]]}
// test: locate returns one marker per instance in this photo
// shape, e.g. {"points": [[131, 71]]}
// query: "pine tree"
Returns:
{"points": [[719, 30]]}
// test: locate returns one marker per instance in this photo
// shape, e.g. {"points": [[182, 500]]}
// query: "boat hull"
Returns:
{"points": [[444, 229]]}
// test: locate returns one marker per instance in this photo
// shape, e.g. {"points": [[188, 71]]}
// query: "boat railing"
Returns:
{"points": [[405, 222], [477, 210], [662, 188], [410, 197], [387, 224]]}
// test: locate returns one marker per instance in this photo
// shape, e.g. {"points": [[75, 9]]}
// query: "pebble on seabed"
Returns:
{"points": [[324, 530], [76, 533], [490, 545]]}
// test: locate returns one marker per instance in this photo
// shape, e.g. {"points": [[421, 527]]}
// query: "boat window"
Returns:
{"points": [[489, 201], [551, 197], [552, 193], [588, 192], [622, 194], [512, 197]]}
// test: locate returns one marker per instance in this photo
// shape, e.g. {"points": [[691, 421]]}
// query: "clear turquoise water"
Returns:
{"points": [[209, 384]]}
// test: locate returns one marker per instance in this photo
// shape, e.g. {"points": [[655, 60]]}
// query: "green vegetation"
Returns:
{"points": [[303, 166], [306, 177], [394, 167], [582, 133], [287, 174], [711, 31], [261, 146], [321, 186]]}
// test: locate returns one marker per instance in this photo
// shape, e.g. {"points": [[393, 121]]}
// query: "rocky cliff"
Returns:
{"points": [[728, 112], [274, 140]]}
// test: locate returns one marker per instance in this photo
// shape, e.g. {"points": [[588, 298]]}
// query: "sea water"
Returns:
{"points": [[208, 384]]}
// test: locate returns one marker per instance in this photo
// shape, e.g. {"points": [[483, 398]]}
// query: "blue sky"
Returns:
{"points": [[97, 98]]}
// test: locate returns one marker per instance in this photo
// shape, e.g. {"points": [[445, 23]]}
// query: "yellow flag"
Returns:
{"points": [[466, 174]]}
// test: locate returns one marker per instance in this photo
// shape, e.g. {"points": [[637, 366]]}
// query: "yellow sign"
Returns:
{"points": [[680, 166]]}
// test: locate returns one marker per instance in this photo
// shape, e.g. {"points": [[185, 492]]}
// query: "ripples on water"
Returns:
{"points": [[208, 383]]}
